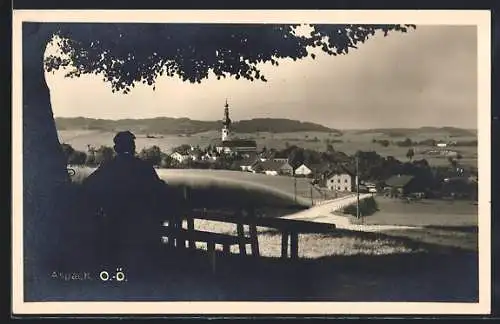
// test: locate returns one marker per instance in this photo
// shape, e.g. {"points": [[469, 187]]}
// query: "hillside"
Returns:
{"points": [[166, 125]]}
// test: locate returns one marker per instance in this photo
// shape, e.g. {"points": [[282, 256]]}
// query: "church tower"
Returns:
{"points": [[226, 123]]}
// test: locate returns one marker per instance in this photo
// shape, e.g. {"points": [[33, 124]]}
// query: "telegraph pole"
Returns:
{"points": [[357, 187], [295, 188]]}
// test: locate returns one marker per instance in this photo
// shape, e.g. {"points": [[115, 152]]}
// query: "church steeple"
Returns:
{"points": [[226, 123]]}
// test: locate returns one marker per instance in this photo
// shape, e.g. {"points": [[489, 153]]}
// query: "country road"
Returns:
{"points": [[323, 213]]}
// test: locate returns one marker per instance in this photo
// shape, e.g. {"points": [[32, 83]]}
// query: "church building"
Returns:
{"points": [[228, 144]]}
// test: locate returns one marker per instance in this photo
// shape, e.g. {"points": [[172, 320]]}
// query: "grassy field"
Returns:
{"points": [[351, 142], [424, 213], [440, 222]]}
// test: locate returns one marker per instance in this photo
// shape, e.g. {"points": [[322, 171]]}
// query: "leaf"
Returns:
{"points": [[132, 53]]}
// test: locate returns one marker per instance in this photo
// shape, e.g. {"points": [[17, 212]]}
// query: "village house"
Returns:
{"points": [[274, 168], [270, 167], [303, 170], [320, 171], [400, 185], [195, 154], [209, 156], [180, 157], [248, 164], [341, 179], [237, 146], [280, 157], [266, 155], [286, 168]]}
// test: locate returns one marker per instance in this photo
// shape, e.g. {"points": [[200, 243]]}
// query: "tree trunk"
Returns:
{"points": [[45, 179]]}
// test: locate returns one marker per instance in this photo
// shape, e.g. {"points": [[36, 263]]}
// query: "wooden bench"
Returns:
{"points": [[289, 228], [182, 235], [239, 218], [179, 236]]}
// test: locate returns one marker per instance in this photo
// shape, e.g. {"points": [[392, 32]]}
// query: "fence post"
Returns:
{"points": [[241, 234], [254, 240], [295, 188]]}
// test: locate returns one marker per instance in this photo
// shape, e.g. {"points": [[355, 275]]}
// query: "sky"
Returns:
{"points": [[426, 77]]}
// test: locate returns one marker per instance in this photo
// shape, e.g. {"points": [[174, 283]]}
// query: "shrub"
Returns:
{"points": [[77, 158], [73, 156], [68, 150], [367, 207], [104, 154], [152, 155]]}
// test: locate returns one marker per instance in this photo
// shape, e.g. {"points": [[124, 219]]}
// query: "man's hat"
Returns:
{"points": [[123, 137]]}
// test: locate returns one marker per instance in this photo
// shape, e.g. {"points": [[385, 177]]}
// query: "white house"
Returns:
{"points": [[209, 157], [341, 181], [180, 157], [441, 145], [303, 170]]}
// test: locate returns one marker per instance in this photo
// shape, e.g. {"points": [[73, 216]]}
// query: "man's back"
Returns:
{"points": [[125, 183], [132, 197]]}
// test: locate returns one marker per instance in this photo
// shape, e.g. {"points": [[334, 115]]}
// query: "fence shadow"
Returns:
{"points": [[174, 275]]}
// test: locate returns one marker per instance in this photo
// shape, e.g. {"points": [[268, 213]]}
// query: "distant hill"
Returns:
{"points": [[167, 125], [406, 132]]}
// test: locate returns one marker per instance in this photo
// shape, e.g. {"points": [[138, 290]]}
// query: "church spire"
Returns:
{"points": [[226, 123]]}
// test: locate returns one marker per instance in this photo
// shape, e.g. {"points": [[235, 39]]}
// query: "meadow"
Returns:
{"points": [[350, 142], [426, 212], [441, 222]]}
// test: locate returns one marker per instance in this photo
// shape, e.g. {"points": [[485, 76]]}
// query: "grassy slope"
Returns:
{"points": [[279, 183], [444, 223]]}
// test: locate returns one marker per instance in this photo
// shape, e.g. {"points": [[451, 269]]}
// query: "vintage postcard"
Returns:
{"points": [[251, 162]]}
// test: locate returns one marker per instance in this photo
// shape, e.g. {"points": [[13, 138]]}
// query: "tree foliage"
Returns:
{"points": [[367, 207], [67, 150], [104, 154], [77, 158], [152, 155], [73, 157], [125, 54]]}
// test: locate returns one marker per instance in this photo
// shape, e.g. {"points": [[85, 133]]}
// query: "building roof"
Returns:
{"points": [[341, 169], [303, 164], [267, 154], [271, 165], [280, 155], [399, 180], [249, 161], [238, 143], [183, 153], [319, 167]]}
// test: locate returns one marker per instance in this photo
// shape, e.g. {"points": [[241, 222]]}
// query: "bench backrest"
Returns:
{"points": [[282, 224]]}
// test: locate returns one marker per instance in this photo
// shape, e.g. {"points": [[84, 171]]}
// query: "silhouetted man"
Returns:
{"points": [[131, 200]]}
